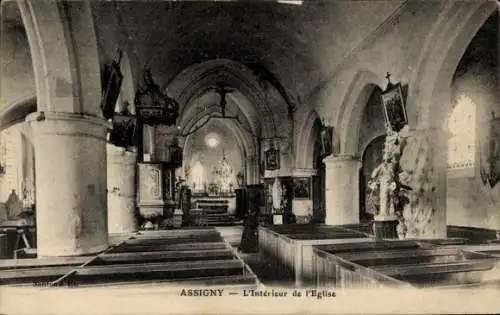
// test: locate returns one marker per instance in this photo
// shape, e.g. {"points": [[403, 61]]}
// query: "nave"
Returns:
{"points": [[320, 144]]}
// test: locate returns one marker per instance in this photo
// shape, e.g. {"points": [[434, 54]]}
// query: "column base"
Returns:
{"points": [[385, 229], [46, 251]]}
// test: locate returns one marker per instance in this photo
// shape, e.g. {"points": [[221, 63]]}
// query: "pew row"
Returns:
{"points": [[201, 258], [290, 247], [401, 263]]}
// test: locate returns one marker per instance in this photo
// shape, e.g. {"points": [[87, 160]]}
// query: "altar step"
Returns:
{"points": [[197, 257], [220, 220]]}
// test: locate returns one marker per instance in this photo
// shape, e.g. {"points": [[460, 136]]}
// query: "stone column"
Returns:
{"points": [[121, 190], [342, 190], [252, 170], [71, 199]]}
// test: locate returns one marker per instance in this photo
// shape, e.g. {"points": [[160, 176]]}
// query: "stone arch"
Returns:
{"points": [[365, 145], [350, 112], [304, 149], [63, 47], [454, 31], [17, 112], [246, 142], [195, 81], [246, 149]]}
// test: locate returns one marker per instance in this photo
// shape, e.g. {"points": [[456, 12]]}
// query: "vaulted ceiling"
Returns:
{"points": [[300, 45]]}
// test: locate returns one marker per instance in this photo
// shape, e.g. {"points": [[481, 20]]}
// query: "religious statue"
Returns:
{"points": [[387, 192], [276, 193]]}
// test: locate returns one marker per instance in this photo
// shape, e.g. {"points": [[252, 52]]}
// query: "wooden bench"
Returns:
{"points": [[196, 257], [175, 240], [395, 257], [472, 234], [292, 252], [125, 272], [331, 270], [409, 262]]}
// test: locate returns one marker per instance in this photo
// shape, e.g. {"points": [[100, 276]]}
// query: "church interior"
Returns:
{"points": [[336, 144]]}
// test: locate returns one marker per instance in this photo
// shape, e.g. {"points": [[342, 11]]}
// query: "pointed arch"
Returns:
{"points": [[197, 79], [349, 115], [304, 149], [452, 34]]}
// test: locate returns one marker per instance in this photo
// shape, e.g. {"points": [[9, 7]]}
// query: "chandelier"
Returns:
{"points": [[224, 170], [225, 173]]}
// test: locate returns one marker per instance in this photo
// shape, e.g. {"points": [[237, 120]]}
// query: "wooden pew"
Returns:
{"points": [[436, 268], [166, 256], [119, 258], [333, 271], [174, 240], [292, 252], [200, 257], [373, 245], [125, 272], [170, 247], [395, 257], [420, 267], [473, 234]]}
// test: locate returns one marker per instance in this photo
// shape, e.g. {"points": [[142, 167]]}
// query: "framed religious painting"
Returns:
{"points": [[394, 107], [272, 159], [302, 188]]}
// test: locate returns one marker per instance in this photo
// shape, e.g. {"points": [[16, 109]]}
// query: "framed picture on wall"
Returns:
{"points": [[302, 188], [394, 107], [272, 159]]}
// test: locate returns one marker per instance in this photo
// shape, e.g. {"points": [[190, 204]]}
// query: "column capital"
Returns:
{"points": [[303, 172], [345, 158], [60, 123]]}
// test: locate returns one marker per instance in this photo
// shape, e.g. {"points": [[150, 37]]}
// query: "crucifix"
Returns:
{"points": [[222, 91], [388, 76]]}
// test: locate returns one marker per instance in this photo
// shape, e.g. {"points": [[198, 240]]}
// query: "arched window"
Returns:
{"points": [[462, 141]]}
